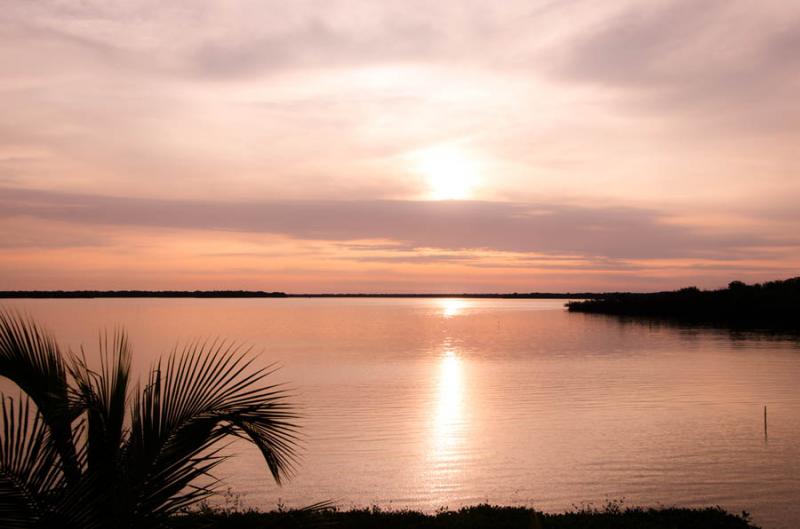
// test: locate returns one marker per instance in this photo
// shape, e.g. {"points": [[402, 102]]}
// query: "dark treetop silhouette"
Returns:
{"points": [[770, 305], [89, 449]]}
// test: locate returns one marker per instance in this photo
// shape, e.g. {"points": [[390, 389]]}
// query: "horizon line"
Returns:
{"points": [[51, 294]]}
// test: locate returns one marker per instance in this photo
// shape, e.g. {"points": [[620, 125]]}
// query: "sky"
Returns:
{"points": [[414, 146]]}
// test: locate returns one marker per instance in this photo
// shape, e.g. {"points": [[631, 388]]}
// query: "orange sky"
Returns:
{"points": [[398, 146]]}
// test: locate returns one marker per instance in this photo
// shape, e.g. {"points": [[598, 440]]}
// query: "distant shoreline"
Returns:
{"points": [[91, 294], [769, 305]]}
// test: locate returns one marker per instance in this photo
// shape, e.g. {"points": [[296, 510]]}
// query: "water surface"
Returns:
{"points": [[425, 403]]}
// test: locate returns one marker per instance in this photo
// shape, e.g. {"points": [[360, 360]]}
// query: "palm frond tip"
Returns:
{"points": [[87, 448]]}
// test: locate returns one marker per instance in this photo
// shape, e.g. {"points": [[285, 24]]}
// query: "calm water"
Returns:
{"points": [[430, 403]]}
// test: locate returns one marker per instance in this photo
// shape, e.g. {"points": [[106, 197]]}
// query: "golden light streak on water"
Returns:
{"points": [[452, 306]]}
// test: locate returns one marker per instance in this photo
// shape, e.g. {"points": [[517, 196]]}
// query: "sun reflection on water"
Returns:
{"points": [[451, 306], [449, 416]]}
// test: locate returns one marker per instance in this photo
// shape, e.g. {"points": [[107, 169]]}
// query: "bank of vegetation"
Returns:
{"points": [[612, 516], [770, 305]]}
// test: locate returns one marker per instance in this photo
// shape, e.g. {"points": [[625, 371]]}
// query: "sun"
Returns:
{"points": [[450, 173]]}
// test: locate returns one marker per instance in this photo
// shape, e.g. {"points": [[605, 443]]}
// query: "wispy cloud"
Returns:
{"points": [[720, 60], [613, 232]]}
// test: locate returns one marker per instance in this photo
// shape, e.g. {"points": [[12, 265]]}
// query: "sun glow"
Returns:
{"points": [[450, 173], [451, 306]]}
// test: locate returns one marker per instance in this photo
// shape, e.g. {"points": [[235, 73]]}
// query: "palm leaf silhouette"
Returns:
{"points": [[89, 448]]}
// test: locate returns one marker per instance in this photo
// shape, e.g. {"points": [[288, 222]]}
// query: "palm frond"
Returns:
{"points": [[31, 476], [31, 359], [69, 456], [200, 396], [103, 396]]}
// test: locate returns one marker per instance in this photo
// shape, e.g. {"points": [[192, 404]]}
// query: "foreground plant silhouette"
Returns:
{"points": [[89, 449]]}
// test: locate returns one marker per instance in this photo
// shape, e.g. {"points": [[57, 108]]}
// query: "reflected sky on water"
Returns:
{"points": [[425, 403]]}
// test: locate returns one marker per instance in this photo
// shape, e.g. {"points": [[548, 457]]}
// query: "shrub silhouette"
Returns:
{"points": [[770, 305], [90, 449]]}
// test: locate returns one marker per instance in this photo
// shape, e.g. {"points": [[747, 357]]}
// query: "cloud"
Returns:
{"points": [[609, 232], [686, 107], [37, 234], [316, 43], [729, 60]]}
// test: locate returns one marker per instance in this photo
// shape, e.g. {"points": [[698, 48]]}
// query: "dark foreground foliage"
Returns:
{"points": [[771, 305], [90, 448], [476, 517]]}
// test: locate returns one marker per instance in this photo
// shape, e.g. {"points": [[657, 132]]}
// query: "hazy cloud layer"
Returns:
{"points": [[728, 61], [613, 232]]}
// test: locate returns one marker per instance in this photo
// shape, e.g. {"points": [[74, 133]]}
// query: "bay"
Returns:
{"points": [[429, 403]]}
